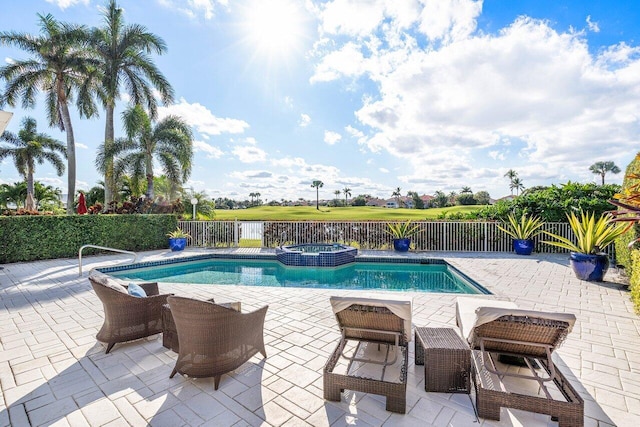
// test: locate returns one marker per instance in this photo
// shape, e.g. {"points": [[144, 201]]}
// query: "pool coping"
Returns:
{"points": [[272, 257]]}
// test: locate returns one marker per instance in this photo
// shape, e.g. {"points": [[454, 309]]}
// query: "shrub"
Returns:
{"points": [[623, 252], [27, 238], [634, 279]]}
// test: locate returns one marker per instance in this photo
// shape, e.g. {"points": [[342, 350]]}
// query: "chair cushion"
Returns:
{"points": [[109, 282], [401, 308], [136, 290]]}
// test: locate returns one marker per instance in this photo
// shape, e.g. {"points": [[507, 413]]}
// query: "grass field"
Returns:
{"points": [[350, 213]]}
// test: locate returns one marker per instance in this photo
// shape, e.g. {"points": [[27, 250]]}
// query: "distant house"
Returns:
{"points": [[391, 203], [374, 201], [405, 202], [427, 200]]}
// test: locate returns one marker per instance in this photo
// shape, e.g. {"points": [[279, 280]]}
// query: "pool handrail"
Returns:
{"points": [[135, 255]]}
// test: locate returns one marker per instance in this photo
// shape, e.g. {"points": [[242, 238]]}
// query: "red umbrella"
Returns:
{"points": [[82, 205]]}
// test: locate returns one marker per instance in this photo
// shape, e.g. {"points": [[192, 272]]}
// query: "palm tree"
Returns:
{"points": [[601, 168], [257, 198], [28, 148], [317, 184], [337, 194], [397, 193], [15, 193], [347, 193], [60, 67], [123, 53], [511, 174], [252, 195], [170, 142], [46, 193], [466, 190], [440, 199], [452, 197], [516, 184]]}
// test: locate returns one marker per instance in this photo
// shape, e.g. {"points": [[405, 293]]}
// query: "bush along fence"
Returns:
{"points": [[28, 238], [433, 235]]}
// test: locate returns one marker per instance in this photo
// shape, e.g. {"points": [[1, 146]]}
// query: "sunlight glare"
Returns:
{"points": [[274, 27]]}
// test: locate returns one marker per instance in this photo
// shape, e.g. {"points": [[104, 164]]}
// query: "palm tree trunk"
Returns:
{"points": [[71, 154], [149, 169], [317, 197], [29, 203], [109, 185], [602, 175]]}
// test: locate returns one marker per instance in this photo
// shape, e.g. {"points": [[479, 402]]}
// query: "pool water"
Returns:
{"points": [[440, 278]]}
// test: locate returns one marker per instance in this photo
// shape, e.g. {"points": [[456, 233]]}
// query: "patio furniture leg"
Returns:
{"points": [[173, 372], [331, 392], [397, 404], [109, 347], [216, 381], [488, 411]]}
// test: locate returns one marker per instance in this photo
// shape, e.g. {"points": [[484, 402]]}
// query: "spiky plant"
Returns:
{"points": [[526, 228], [592, 235]]}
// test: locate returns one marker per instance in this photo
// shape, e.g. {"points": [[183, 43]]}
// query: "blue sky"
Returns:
{"points": [[424, 95]]}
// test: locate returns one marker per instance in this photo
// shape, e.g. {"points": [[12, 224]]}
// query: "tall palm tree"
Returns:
{"points": [[466, 190], [62, 69], [516, 184], [123, 51], [29, 148], [397, 193], [511, 174], [337, 194], [601, 168], [347, 193], [317, 184], [257, 198], [170, 142], [252, 195]]}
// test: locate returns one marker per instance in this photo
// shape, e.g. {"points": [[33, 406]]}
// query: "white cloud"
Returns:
{"points": [[249, 154], [9, 60], [466, 92], [203, 119], [497, 155], [194, 8], [212, 152], [383, 170], [81, 145], [331, 137], [63, 4], [593, 26], [305, 120]]}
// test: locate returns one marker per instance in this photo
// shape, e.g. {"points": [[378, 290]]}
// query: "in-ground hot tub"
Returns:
{"points": [[316, 255]]}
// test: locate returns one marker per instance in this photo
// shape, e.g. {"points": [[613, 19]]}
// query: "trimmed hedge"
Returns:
{"points": [[28, 238], [634, 279], [623, 252]]}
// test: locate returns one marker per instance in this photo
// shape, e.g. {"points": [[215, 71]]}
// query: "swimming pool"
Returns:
{"points": [[410, 275]]}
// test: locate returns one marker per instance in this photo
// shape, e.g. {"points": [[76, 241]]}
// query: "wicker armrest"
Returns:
{"points": [[150, 288]]}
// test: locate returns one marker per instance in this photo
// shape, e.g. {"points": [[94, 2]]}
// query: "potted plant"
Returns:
{"points": [[523, 231], [178, 239], [592, 236], [402, 233]]}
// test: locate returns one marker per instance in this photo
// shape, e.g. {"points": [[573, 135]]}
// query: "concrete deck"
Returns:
{"points": [[53, 372]]}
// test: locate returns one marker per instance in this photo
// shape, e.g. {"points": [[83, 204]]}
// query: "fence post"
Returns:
{"points": [[486, 239], [236, 233]]}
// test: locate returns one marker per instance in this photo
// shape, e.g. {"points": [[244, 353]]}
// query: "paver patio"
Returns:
{"points": [[53, 372]]}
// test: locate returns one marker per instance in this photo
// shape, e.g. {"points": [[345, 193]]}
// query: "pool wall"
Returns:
{"points": [[316, 255]]}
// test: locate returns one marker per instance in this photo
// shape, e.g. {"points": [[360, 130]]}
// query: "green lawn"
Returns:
{"points": [[350, 213]]}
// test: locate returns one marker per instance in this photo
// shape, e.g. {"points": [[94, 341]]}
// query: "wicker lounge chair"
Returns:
{"points": [[126, 317], [499, 327], [214, 339], [387, 325]]}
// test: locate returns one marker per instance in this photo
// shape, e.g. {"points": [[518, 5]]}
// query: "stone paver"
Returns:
{"points": [[52, 370]]}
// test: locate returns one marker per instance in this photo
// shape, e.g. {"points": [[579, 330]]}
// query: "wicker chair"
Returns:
{"points": [[529, 336], [383, 322], [126, 317], [214, 339]]}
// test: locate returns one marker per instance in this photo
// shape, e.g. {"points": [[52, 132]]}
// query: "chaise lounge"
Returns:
{"points": [[378, 363], [499, 328]]}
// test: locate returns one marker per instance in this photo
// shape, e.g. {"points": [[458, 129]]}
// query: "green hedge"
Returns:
{"points": [[634, 279], [28, 238]]}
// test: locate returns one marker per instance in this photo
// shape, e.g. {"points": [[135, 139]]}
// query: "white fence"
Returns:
{"points": [[433, 235]]}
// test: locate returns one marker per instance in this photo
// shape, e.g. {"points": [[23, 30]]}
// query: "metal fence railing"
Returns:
{"points": [[433, 235]]}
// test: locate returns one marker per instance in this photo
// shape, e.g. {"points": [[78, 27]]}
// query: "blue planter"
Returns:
{"points": [[523, 246], [401, 245], [591, 268], [177, 244]]}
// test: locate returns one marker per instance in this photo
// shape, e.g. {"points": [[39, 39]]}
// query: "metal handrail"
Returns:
{"points": [[135, 255]]}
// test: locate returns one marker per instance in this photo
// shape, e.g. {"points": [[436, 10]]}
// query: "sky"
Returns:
{"points": [[372, 95]]}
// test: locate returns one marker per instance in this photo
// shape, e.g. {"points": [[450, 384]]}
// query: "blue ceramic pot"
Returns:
{"points": [[591, 268], [401, 245], [177, 244], [523, 246]]}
